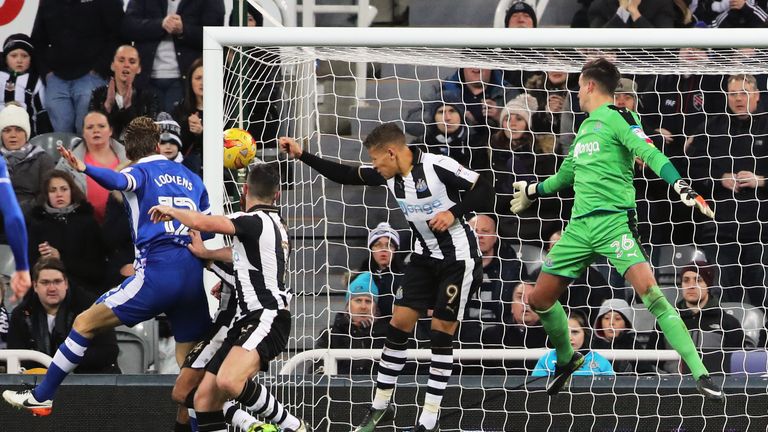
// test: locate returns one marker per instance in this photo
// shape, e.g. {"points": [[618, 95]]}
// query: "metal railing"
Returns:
{"points": [[330, 357], [14, 357]]}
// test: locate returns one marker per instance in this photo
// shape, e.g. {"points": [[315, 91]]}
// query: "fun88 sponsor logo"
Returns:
{"points": [[414, 209]]}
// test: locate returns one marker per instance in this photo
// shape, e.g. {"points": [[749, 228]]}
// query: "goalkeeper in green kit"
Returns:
{"points": [[599, 166]]}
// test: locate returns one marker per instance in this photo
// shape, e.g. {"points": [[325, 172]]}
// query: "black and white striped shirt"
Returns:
{"points": [[432, 186], [259, 256], [26, 89]]}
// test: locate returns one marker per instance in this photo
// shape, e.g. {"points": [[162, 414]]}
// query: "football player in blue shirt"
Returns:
{"points": [[15, 231], [168, 279]]}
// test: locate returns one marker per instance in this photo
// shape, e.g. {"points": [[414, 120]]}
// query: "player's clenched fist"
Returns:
{"points": [[291, 147], [161, 213], [442, 221]]}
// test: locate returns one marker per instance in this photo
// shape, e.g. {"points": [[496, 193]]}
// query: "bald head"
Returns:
{"points": [[485, 228]]}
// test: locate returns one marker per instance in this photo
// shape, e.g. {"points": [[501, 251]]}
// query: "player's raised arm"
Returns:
{"points": [[339, 173], [478, 196], [16, 231], [527, 192], [198, 249], [633, 137]]}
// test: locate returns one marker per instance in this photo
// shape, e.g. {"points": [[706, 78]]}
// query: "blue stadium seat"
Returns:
{"points": [[50, 141], [749, 362]]}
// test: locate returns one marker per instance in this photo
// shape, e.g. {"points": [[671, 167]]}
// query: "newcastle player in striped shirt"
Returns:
{"points": [[259, 254], [445, 268]]}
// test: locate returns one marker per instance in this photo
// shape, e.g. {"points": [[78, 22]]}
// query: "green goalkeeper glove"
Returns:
{"points": [[690, 198], [525, 193]]}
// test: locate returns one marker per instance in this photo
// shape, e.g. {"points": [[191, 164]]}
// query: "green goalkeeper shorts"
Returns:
{"points": [[612, 235]]}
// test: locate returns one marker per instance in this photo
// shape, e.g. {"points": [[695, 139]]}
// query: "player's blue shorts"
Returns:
{"points": [[170, 281]]}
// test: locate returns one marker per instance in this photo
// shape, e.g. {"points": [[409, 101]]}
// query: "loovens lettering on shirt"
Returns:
{"points": [[165, 179]]}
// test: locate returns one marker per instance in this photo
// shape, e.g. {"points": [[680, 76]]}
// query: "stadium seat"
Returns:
{"points": [[749, 362], [644, 320], [668, 259], [138, 347], [50, 141], [7, 263], [750, 317]]}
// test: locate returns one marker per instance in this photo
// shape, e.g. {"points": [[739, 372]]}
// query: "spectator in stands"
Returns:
{"points": [[42, 321], [581, 17], [521, 15], [120, 99], [170, 137], [631, 13], [189, 115], [385, 265], [587, 292], [28, 164], [96, 148], [484, 312], [714, 332], [22, 82], [63, 226], [75, 42], [523, 324], [169, 37], [581, 336], [728, 163], [447, 134], [740, 13], [518, 154], [559, 111], [261, 115], [483, 92], [614, 330], [358, 327]]}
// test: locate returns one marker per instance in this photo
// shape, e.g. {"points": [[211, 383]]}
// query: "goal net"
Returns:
{"points": [[504, 102]]}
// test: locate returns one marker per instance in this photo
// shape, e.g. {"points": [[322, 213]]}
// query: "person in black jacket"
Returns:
{"points": [[741, 13], [44, 318], [715, 333], [169, 37], [631, 13], [121, 100], [62, 226], [358, 327], [729, 163], [74, 41], [385, 265], [189, 115]]}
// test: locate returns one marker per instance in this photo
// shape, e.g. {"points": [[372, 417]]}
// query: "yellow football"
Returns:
{"points": [[239, 148]]}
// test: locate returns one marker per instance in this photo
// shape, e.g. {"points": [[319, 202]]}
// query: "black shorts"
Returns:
{"points": [[265, 331], [443, 286]]}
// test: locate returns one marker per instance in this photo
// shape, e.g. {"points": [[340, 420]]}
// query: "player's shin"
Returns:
{"points": [[674, 330], [392, 362], [66, 359], [439, 373], [262, 403], [555, 323]]}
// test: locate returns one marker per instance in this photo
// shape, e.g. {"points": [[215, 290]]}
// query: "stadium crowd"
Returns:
{"points": [[89, 68]]}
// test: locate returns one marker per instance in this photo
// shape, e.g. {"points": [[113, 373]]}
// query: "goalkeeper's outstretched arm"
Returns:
{"points": [[340, 173], [526, 192]]}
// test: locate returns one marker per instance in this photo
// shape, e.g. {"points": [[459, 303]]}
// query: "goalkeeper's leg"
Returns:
{"points": [[641, 277]]}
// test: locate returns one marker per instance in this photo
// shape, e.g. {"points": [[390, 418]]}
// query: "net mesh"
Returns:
{"points": [[683, 96]]}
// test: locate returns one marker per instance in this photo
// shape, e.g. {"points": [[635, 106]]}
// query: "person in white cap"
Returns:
{"points": [[384, 264], [27, 163]]}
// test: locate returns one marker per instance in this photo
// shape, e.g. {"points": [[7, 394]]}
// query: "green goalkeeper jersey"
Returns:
{"points": [[600, 163]]}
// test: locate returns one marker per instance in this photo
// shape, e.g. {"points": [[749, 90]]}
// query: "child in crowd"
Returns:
{"points": [[20, 81]]}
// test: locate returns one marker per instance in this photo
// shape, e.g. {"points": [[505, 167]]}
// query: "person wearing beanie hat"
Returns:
{"points": [[521, 15], [357, 327], [614, 329], [715, 331], [384, 264], [27, 163], [20, 81], [170, 137], [448, 134], [120, 98]]}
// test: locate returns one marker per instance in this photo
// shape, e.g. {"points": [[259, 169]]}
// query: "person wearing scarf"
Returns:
{"points": [[63, 226], [27, 164]]}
